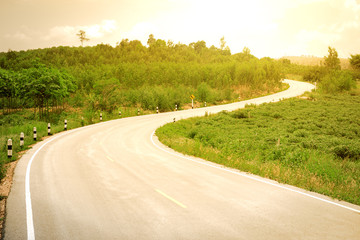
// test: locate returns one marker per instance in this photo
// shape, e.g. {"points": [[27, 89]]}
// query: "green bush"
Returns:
{"points": [[337, 81]]}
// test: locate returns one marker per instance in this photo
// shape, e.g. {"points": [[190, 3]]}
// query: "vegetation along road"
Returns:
{"points": [[115, 180]]}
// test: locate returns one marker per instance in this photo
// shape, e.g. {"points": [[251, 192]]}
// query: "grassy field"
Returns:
{"points": [[311, 143]]}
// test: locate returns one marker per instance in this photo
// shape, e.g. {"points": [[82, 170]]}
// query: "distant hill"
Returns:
{"points": [[313, 61]]}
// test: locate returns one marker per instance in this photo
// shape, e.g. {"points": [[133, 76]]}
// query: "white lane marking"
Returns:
{"points": [[251, 177]]}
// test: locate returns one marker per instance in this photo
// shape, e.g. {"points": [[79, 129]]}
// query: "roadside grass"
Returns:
{"points": [[313, 144]]}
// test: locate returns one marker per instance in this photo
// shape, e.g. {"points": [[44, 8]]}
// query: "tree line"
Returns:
{"points": [[130, 74], [38, 87], [329, 76], [104, 78]]}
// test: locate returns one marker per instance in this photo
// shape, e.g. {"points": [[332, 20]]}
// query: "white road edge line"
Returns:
{"points": [[28, 204], [251, 177], [29, 214]]}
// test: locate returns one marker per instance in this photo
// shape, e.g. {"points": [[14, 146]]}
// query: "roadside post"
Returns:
{"points": [[100, 116], [205, 104], [175, 107], [35, 135], [49, 129], [65, 125], [119, 114], [174, 119], [21, 139], [9, 143], [157, 109], [138, 111]]}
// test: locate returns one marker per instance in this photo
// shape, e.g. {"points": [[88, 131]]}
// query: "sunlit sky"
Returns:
{"points": [[273, 28]]}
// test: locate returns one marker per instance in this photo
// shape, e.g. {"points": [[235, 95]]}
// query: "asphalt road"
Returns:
{"points": [[114, 180]]}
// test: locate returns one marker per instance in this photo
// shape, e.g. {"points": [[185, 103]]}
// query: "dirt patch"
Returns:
{"points": [[5, 186]]}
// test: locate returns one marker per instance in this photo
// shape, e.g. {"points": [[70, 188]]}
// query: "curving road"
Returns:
{"points": [[114, 180]]}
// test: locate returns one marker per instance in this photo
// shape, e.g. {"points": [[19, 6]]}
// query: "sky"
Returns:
{"points": [[269, 28]]}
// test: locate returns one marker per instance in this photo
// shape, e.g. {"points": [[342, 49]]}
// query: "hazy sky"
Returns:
{"points": [[272, 28]]}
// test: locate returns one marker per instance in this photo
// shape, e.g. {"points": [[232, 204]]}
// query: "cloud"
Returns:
{"points": [[314, 26], [68, 33], [18, 36]]}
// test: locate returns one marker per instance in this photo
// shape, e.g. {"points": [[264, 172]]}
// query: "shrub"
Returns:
{"points": [[239, 114], [337, 81]]}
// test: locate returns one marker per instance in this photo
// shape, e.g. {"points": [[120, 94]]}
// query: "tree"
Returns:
{"points": [[355, 61], [332, 61], [222, 43], [246, 51], [198, 46], [46, 87], [151, 40], [225, 49], [82, 37], [7, 89]]}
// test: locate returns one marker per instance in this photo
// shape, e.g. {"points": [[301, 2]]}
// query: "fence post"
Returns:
{"points": [[9, 148], [21, 139]]}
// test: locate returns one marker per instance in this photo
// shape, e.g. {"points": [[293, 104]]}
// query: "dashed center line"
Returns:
{"points": [[170, 198]]}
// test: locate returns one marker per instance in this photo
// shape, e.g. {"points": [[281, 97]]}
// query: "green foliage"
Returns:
{"points": [[310, 144], [314, 74], [332, 61], [203, 92], [355, 61], [107, 77], [37, 86], [337, 81]]}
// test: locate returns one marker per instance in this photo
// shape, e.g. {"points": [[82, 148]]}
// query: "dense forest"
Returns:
{"points": [[104, 77], [161, 74]]}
